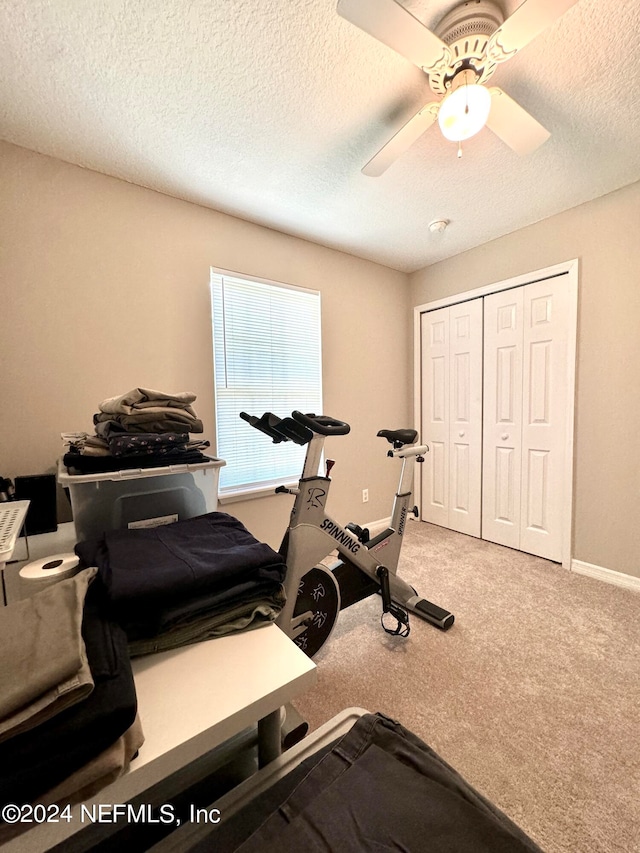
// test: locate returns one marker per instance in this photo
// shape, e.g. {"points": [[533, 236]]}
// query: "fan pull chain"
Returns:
{"points": [[459, 150]]}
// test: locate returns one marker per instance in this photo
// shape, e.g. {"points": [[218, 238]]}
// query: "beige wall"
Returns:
{"points": [[104, 287], [603, 235]]}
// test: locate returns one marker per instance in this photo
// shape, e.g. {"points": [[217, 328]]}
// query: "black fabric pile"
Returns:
{"points": [[143, 428], [85, 746], [378, 788], [186, 582]]}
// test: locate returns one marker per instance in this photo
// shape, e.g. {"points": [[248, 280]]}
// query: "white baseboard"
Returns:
{"points": [[606, 575]]}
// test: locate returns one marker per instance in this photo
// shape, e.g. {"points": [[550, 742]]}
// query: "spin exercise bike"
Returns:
{"points": [[316, 593]]}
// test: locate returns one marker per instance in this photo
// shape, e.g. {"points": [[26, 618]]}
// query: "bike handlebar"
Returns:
{"points": [[322, 424], [266, 424]]}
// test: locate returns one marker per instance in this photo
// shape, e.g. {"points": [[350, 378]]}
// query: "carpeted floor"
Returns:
{"points": [[533, 695]]}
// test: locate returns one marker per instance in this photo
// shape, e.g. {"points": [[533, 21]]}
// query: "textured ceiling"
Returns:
{"points": [[268, 109]]}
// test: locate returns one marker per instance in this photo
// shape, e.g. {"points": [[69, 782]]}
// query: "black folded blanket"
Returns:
{"points": [[163, 565], [78, 463]]}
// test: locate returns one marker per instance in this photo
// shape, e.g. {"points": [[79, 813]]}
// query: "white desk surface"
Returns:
{"points": [[41, 545], [194, 698], [191, 700]]}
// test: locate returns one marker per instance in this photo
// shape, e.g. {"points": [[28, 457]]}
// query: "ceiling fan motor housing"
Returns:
{"points": [[466, 29]]}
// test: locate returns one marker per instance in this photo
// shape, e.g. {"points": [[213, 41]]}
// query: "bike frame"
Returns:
{"points": [[313, 535]]}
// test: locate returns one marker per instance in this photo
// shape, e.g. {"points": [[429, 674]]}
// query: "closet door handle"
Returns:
{"points": [[504, 436], [461, 433]]}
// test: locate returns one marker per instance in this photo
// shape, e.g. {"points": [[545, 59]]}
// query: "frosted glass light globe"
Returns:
{"points": [[464, 112]]}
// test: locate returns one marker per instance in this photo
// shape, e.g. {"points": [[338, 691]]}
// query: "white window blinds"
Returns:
{"points": [[267, 357]]}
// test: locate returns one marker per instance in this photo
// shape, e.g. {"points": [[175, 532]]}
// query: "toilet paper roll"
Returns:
{"points": [[49, 570]]}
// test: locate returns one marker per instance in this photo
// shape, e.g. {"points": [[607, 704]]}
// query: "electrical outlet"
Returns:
{"points": [[365, 495]]}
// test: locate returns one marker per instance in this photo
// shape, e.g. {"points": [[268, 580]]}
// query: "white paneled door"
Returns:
{"points": [[502, 433], [495, 415], [524, 436], [452, 416], [435, 416]]}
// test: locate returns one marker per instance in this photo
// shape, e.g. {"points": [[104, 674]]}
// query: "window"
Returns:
{"points": [[267, 357]]}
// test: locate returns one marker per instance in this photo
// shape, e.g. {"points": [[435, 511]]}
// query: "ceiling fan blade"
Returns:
{"points": [[513, 124], [393, 25], [403, 139], [529, 19]]}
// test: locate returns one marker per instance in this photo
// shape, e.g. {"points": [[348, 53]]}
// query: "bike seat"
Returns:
{"points": [[399, 436]]}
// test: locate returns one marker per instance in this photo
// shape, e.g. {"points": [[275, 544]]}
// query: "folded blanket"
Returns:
{"points": [[142, 623], [208, 553], [43, 661], [79, 463], [147, 415], [245, 616], [140, 398], [171, 421]]}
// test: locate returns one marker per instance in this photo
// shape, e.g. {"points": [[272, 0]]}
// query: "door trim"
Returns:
{"points": [[570, 270]]}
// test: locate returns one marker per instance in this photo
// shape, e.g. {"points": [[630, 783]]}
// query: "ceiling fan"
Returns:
{"points": [[458, 58]]}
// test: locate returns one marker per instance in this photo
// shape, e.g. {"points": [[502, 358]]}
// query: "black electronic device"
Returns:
{"points": [[40, 490]]}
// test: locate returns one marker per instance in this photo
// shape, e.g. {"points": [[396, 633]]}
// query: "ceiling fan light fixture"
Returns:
{"points": [[465, 110]]}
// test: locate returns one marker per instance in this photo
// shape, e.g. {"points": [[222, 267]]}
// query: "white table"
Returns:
{"points": [[41, 545], [190, 701]]}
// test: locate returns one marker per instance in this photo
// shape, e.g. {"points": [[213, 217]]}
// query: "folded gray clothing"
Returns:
{"points": [[43, 660], [143, 397], [143, 415], [117, 424], [155, 408], [88, 445], [245, 617], [144, 623], [90, 450], [147, 413], [198, 444], [96, 442], [148, 416]]}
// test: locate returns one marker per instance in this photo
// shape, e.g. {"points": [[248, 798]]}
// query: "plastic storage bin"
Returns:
{"points": [[142, 497]]}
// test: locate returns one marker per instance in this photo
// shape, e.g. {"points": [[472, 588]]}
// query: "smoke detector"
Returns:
{"points": [[438, 226]]}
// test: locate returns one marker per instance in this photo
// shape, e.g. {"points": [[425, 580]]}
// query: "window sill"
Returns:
{"points": [[250, 494]]}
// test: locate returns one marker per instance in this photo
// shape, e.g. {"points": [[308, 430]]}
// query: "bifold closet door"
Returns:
{"points": [[452, 416], [502, 433], [525, 411]]}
